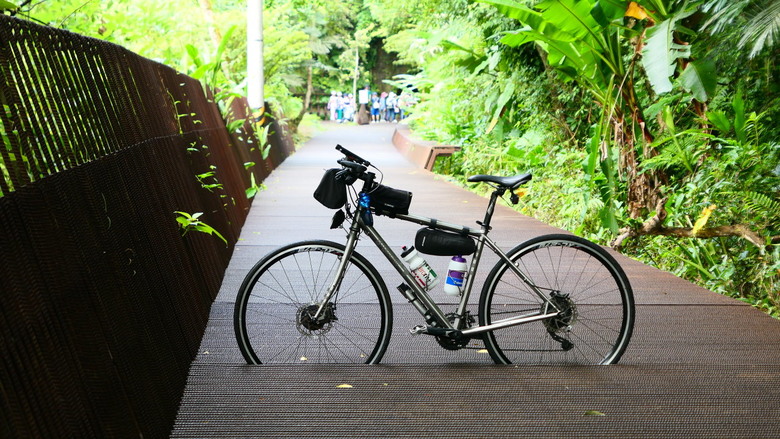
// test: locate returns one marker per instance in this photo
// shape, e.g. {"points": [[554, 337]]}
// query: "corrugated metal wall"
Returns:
{"points": [[102, 301]]}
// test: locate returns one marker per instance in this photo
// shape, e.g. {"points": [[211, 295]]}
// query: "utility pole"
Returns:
{"points": [[254, 54], [357, 66]]}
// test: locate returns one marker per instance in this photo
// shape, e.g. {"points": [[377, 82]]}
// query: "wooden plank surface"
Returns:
{"points": [[699, 364]]}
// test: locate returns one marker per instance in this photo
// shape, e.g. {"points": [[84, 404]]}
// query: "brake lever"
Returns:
{"points": [[346, 177], [357, 167]]}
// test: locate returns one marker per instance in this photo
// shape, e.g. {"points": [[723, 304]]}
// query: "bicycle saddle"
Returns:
{"points": [[507, 182]]}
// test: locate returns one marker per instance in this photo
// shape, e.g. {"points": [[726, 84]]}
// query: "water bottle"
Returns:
{"points": [[455, 272], [365, 202], [422, 272]]}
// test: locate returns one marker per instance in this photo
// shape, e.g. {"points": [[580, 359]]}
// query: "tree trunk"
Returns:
{"points": [[293, 124], [309, 89], [208, 13], [644, 188]]}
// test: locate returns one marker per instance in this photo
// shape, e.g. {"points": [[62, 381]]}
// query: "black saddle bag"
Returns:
{"points": [[442, 243], [390, 202], [331, 192]]}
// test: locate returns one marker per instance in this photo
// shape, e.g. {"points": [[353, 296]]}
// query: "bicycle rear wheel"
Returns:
{"points": [[274, 311], [582, 280]]}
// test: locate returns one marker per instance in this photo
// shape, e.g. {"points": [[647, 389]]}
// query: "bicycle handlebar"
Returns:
{"points": [[351, 156], [353, 168]]}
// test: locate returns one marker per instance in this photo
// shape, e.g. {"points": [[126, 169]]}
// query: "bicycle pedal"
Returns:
{"points": [[417, 330]]}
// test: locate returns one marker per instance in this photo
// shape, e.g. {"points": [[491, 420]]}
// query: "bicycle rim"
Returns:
{"points": [[583, 280], [276, 303]]}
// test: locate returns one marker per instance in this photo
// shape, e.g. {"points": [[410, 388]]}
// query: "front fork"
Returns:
{"points": [[362, 221], [352, 239]]}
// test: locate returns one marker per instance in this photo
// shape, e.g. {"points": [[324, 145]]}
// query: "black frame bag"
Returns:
{"points": [[331, 192], [443, 243], [390, 202]]}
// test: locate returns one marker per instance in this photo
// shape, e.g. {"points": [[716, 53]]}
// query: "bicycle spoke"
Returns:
{"points": [[275, 311], [586, 286]]}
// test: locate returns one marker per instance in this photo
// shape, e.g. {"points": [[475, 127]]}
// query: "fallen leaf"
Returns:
{"points": [[482, 351], [593, 413], [344, 386], [304, 359]]}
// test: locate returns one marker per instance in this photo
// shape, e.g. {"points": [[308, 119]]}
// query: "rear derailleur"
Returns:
{"points": [[563, 322]]}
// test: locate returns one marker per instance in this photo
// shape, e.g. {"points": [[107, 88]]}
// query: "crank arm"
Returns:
{"points": [[437, 332]]}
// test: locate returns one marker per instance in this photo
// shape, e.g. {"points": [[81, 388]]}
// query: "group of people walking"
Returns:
{"points": [[389, 107], [341, 107], [384, 107]]}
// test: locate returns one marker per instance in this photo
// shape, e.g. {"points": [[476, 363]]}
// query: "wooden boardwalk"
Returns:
{"points": [[699, 365]]}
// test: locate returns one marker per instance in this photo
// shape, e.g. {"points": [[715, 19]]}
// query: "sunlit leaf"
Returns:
{"points": [[636, 11], [6, 5], [703, 218]]}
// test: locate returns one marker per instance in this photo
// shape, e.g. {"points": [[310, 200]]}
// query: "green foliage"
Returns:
{"points": [[208, 180], [191, 222], [588, 95], [510, 117], [757, 21], [208, 39], [7, 6], [211, 72], [661, 52], [253, 188], [728, 166], [684, 149]]}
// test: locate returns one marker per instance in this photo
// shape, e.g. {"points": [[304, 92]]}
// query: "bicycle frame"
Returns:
{"points": [[440, 325]]}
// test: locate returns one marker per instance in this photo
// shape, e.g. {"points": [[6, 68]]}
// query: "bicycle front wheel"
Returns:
{"points": [[582, 281], [275, 315]]}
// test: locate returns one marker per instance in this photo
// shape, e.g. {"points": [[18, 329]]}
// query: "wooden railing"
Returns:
{"points": [[423, 153], [103, 301]]}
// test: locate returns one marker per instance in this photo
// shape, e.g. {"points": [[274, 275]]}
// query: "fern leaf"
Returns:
{"points": [[763, 205]]}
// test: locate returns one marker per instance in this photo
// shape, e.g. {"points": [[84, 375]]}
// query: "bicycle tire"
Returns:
{"points": [[584, 280], [279, 294]]}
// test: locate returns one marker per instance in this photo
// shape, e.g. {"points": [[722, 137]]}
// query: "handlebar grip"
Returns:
{"points": [[351, 156]]}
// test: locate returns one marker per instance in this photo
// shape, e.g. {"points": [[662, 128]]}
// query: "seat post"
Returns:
{"points": [[492, 206]]}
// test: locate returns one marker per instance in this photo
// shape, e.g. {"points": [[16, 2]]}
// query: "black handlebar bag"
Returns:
{"points": [[331, 192]]}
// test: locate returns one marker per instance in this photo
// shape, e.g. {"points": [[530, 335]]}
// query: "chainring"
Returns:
{"points": [[454, 344]]}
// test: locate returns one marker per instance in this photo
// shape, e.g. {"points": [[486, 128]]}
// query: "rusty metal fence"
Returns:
{"points": [[103, 301]]}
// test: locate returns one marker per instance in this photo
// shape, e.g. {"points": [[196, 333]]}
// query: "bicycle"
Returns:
{"points": [[552, 299]]}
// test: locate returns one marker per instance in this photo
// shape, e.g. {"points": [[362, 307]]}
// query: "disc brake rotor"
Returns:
{"points": [[307, 324]]}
